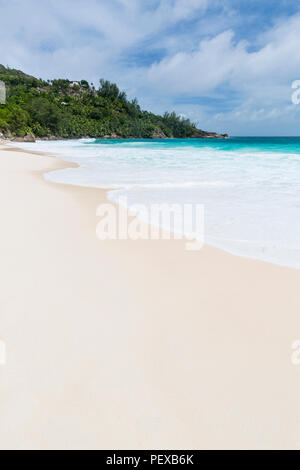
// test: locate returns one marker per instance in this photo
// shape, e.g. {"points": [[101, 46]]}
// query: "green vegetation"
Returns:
{"points": [[66, 109]]}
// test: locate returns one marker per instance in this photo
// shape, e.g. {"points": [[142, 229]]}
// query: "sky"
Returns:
{"points": [[228, 65]]}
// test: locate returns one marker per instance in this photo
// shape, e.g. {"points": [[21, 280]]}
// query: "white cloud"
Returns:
{"points": [[200, 71], [107, 28]]}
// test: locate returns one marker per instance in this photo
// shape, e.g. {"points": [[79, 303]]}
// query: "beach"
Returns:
{"points": [[135, 344]]}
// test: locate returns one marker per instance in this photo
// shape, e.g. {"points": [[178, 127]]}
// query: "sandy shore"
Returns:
{"points": [[131, 345]]}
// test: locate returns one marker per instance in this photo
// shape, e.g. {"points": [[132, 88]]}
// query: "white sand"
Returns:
{"points": [[135, 345]]}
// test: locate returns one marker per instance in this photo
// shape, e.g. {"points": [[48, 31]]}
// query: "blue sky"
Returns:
{"points": [[228, 65]]}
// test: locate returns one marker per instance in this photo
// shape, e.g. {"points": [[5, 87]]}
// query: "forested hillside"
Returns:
{"points": [[64, 109]]}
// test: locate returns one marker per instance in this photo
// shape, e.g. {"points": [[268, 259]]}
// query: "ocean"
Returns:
{"points": [[249, 186]]}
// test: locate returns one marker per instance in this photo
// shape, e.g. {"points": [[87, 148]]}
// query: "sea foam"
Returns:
{"points": [[250, 187]]}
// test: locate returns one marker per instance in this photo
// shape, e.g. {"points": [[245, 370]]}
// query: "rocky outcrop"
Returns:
{"points": [[19, 72], [208, 135], [111, 136], [27, 138], [158, 134], [51, 137]]}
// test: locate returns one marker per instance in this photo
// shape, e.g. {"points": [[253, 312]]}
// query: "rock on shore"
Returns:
{"points": [[27, 138], [208, 135]]}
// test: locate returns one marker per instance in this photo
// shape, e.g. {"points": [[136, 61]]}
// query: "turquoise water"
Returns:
{"points": [[250, 187]]}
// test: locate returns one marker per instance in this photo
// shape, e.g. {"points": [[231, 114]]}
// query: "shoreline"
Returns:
{"points": [[219, 245], [124, 344], [232, 251], [20, 140]]}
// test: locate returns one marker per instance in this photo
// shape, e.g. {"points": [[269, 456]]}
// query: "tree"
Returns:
{"points": [[68, 109], [84, 84], [110, 90], [47, 114], [18, 120]]}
